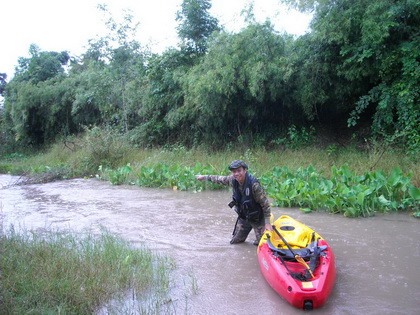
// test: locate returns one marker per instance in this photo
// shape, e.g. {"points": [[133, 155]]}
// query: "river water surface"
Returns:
{"points": [[377, 258]]}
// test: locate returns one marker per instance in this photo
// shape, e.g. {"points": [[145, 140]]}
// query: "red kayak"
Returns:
{"points": [[297, 263]]}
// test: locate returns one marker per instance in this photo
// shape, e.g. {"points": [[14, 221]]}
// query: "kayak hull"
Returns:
{"points": [[307, 294]]}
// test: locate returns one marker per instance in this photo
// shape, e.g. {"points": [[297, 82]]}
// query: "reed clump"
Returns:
{"points": [[67, 273]]}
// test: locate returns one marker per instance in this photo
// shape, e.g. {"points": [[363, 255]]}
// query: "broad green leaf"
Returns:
{"points": [[395, 177], [384, 201], [361, 198], [414, 192]]}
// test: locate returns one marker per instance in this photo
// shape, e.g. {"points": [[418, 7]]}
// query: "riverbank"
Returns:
{"points": [[81, 156], [346, 180]]}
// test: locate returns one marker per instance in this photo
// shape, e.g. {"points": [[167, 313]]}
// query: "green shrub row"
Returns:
{"points": [[160, 176], [345, 192]]}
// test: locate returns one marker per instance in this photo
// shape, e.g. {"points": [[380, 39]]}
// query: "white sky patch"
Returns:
{"points": [[58, 25]]}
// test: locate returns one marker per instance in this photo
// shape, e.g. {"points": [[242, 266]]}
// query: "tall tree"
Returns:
{"points": [[108, 67], [34, 107], [196, 24], [42, 65]]}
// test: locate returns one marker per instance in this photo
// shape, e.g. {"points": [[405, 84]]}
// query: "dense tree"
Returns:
{"points": [[103, 75], [38, 113], [362, 58], [359, 62], [33, 102], [123, 59], [239, 87], [159, 94]]}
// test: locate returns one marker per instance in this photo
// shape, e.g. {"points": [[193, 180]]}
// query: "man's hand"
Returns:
{"points": [[268, 227], [200, 177]]}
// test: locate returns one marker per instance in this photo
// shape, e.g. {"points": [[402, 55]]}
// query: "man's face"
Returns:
{"points": [[239, 174]]}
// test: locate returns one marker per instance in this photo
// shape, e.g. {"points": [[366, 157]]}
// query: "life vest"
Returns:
{"points": [[246, 207]]}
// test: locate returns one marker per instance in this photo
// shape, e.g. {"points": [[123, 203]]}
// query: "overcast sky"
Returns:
{"points": [[58, 25]]}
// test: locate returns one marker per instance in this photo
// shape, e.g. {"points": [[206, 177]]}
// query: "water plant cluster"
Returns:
{"points": [[161, 176], [344, 192]]}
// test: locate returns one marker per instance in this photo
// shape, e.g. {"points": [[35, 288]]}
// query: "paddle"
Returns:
{"points": [[297, 257]]}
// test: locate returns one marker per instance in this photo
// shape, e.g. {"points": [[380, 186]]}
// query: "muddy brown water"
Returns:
{"points": [[377, 259]]}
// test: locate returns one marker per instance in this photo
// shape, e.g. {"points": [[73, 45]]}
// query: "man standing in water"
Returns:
{"points": [[249, 199]]}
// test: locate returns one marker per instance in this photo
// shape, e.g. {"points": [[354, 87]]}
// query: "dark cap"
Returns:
{"points": [[237, 164]]}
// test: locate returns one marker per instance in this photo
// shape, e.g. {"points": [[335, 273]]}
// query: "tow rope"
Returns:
{"points": [[295, 275], [297, 257]]}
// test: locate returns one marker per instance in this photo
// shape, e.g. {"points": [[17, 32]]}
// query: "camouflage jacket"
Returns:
{"points": [[258, 192]]}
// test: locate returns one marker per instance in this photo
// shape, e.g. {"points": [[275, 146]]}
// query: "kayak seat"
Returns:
{"points": [[305, 253], [287, 255]]}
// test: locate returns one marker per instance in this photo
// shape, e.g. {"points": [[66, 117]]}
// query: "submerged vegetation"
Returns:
{"points": [[66, 273]]}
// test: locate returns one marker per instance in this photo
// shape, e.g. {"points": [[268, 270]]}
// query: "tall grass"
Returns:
{"points": [[67, 273], [83, 155]]}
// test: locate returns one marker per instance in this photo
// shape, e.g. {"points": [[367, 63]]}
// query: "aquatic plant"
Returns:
{"points": [[345, 192], [115, 177], [161, 176]]}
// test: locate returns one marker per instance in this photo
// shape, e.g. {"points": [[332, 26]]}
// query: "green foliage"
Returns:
{"points": [[359, 63], [3, 83], [41, 66], [362, 59], [103, 148], [175, 177], [345, 192], [88, 87], [115, 177], [38, 113], [162, 176], [332, 150], [175, 167], [196, 24], [297, 138], [238, 87], [384, 46], [43, 102], [161, 97]]}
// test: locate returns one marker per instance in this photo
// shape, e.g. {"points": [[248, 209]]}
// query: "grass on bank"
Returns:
{"points": [[83, 155], [66, 273], [346, 181]]}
